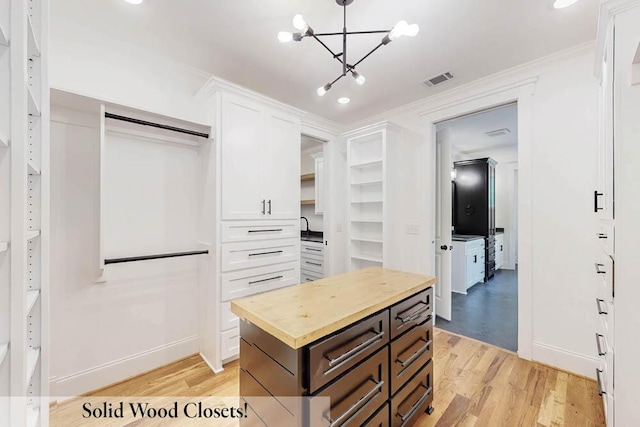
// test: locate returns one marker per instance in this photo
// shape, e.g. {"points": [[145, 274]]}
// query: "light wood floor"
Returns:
{"points": [[476, 384]]}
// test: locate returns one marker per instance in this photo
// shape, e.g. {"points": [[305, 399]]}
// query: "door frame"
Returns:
{"points": [[460, 104]]}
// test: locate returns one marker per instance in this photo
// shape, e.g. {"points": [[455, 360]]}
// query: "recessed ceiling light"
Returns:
{"points": [[560, 4], [344, 100], [134, 1]]}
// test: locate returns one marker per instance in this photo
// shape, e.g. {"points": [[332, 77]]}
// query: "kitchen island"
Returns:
{"points": [[362, 339]]}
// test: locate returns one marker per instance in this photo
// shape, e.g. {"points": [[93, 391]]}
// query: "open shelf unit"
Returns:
{"points": [[24, 212], [307, 202], [307, 177]]}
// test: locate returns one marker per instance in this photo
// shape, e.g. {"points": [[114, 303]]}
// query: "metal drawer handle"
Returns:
{"points": [[595, 201], [416, 405], [266, 231], [265, 280], [601, 390], [312, 249], [598, 265], [353, 407], [600, 352], [601, 235], [266, 253], [269, 207], [415, 355], [313, 263], [355, 351], [600, 310], [263, 206], [416, 314]]}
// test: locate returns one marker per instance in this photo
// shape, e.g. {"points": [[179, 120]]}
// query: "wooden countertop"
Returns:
{"points": [[301, 314]]}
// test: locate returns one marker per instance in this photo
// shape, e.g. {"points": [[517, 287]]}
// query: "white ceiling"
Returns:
{"points": [[468, 134], [236, 40]]}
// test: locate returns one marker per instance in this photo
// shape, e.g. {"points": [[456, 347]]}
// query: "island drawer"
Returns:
{"points": [[380, 419], [414, 398], [332, 356], [271, 411], [409, 353], [411, 312], [357, 395]]}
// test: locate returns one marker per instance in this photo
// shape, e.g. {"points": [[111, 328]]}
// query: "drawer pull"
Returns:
{"points": [[275, 230], [598, 265], [265, 280], [601, 236], [601, 390], [309, 280], [366, 398], [266, 253], [600, 310], [596, 208], [600, 352], [263, 207], [334, 363], [416, 405], [313, 249], [415, 355], [313, 263], [415, 315]]}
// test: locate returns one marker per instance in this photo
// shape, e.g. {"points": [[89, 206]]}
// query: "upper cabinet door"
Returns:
{"points": [[280, 166], [242, 135]]}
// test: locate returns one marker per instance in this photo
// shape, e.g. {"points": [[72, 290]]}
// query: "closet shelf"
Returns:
{"points": [[4, 38], [32, 416], [308, 177], [365, 183], [365, 201], [4, 246], [33, 169], [308, 202], [367, 258], [32, 297], [33, 356], [4, 349], [364, 239], [34, 48], [34, 108], [32, 234], [367, 164]]}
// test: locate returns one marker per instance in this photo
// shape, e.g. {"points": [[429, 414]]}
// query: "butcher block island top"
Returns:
{"points": [[302, 314]]}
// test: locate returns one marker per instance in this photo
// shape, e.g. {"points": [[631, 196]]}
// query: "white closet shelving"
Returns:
{"points": [[24, 212]]}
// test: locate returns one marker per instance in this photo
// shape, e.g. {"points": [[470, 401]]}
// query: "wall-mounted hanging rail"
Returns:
{"points": [[148, 257], [155, 125]]}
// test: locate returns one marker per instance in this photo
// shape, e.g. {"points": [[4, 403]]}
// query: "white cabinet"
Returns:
{"points": [[260, 161], [311, 261], [319, 182], [467, 264], [499, 248]]}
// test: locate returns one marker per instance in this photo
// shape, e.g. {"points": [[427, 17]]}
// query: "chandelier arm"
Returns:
{"points": [[344, 41], [338, 78], [336, 56], [352, 33], [367, 55]]}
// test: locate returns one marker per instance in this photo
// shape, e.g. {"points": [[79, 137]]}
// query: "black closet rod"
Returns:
{"points": [[148, 257], [155, 125]]}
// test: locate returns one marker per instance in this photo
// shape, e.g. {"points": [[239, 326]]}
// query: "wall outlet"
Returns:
{"points": [[413, 229]]}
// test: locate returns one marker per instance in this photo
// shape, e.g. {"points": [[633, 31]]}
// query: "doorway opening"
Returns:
{"points": [[476, 224]]}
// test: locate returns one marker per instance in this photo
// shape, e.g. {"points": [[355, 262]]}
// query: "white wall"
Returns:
{"points": [[565, 129]]}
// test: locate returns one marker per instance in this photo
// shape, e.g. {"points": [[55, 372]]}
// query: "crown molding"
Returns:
{"points": [[323, 125], [502, 80], [216, 84], [608, 9], [385, 124]]}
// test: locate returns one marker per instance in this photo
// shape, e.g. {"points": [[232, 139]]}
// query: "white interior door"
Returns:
{"points": [[444, 166]]}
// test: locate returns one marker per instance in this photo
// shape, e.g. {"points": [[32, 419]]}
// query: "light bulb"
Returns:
{"points": [[285, 36], [560, 4], [344, 100], [360, 79], [300, 24], [398, 30], [412, 30], [322, 90]]}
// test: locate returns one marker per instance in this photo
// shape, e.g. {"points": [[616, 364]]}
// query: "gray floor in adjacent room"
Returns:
{"points": [[489, 311]]}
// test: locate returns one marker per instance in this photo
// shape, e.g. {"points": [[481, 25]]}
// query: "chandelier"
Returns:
{"points": [[402, 28]]}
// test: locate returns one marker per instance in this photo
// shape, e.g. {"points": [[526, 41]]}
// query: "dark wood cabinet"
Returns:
{"points": [[474, 205]]}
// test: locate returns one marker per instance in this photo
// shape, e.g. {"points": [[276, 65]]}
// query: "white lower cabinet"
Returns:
{"points": [[230, 343], [467, 264], [242, 255], [499, 247], [242, 283], [311, 261]]}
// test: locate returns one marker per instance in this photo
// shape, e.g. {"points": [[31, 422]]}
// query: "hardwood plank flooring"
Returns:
{"points": [[476, 384]]}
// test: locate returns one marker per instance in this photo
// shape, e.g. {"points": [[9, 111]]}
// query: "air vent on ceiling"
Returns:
{"points": [[440, 78], [498, 132]]}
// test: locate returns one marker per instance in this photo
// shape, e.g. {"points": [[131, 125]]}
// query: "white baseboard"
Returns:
{"points": [[63, 388], [565, 360], [211, 365]]}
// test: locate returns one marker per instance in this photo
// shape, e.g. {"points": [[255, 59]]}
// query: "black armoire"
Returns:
{"points": [[474, 205]]}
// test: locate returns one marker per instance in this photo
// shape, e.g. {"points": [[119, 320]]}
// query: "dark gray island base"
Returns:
{"points": [[377, 371]]}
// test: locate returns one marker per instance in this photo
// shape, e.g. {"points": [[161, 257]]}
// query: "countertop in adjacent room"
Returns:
{"points": [[312, 236], [465, 237], [301, 314]]}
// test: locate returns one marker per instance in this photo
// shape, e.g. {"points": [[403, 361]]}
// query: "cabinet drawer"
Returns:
{"points": [[409, 353], [267, 410], [229, 343], [474, 245], [606, 236], [313, 248], [604, 268], [238, 284], [312, 264], [241, 255], [228, 320], [411, 312], [258, 230], [355, 396], [332, 356], [380, 419], [309, 276], [414, 398]]}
